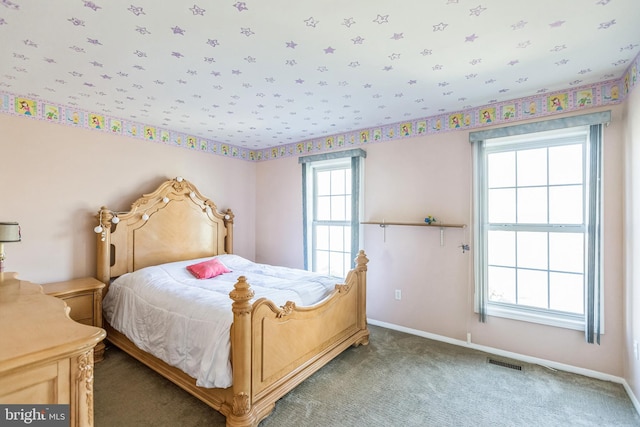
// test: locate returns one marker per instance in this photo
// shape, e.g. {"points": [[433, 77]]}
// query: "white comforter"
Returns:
{"points": [[185, 321]]}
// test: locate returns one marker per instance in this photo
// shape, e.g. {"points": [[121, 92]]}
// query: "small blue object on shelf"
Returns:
{"points": [[430, 220]]}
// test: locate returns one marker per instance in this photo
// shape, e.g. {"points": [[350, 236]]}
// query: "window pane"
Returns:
{"points": [[567, 292], [336, 263], [502, 206], [322, 262], [347, 207], [532, 250], [565, 164], [565, 204], [323, 182], [347, 181], [532, 167], [336, 238], [322, 237], [338, 182], [348, 264], [566, 252], [502, 284], [501, 247], [501, 169], [338, 208], [347, 240], [323, 208], [532, 205], [532, 288]]}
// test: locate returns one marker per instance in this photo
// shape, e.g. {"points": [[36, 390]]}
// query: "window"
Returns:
{"points": [[331, 195], [537, 228]]}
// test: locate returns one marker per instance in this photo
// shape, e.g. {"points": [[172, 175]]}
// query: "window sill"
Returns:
{"points": [[534, 316]]}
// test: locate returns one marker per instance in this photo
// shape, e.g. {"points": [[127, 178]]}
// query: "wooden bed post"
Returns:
{"points": [[241, 354], [361, 268], [228, 240], [103, 246]]}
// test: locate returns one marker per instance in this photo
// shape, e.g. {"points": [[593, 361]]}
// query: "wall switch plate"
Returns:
{"points": [[398, 294]]}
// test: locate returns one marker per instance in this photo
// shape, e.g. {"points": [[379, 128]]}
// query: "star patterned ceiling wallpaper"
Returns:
{"points": [[259, 74]]}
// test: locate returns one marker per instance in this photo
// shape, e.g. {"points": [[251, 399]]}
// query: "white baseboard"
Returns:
{"points": [[516, 356], [632, 396]]}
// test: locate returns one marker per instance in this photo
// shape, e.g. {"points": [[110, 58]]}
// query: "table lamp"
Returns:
{"points": [[9, 232]]}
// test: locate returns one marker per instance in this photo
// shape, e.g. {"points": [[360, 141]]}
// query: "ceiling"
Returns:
{"points": [[258, 74]]}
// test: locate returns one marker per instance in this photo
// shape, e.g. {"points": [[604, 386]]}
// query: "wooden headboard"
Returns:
{"points": [[174, 223]]}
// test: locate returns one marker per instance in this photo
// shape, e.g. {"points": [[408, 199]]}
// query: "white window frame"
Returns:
{"points": [[509, 143], [312, 213], [350, 160]]}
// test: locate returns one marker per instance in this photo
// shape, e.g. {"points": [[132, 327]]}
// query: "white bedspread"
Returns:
{"points": [[185, 321]]}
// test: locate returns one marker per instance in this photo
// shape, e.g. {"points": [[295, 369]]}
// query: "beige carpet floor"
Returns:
{"points": [[397, 380]]}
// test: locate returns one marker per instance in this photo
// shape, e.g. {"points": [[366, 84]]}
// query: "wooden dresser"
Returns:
{"points": [[45, 356]]}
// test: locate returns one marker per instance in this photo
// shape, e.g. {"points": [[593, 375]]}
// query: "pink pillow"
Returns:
{"points": [[208, 269]]}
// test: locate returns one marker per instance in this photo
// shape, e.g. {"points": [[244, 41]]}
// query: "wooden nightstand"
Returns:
{"points": [[84, 298]]}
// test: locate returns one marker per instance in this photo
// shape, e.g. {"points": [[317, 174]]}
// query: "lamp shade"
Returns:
{"points": [[9, 232]]}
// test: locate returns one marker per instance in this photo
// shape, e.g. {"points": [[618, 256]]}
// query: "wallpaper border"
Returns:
{"points": [[541, 105]]}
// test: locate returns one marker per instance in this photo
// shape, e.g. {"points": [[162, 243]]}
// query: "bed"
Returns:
{"points": [[274, 341]]}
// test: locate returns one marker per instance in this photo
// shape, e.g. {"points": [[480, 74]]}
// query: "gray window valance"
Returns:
{"points": [[566, 122], [356, 152]]}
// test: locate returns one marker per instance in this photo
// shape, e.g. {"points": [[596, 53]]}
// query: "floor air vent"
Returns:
{"points": [[504, 364]]}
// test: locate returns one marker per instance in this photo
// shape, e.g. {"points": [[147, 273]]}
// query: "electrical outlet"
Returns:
{"points": [[398, 294], [635, 350]]}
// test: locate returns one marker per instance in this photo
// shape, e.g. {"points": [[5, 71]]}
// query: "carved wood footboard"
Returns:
{"points": [[276, 348]]}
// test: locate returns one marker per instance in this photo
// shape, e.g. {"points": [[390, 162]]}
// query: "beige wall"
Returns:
{"points": [[55, 178], [632, 240], [409, 179], [279, 213]]}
